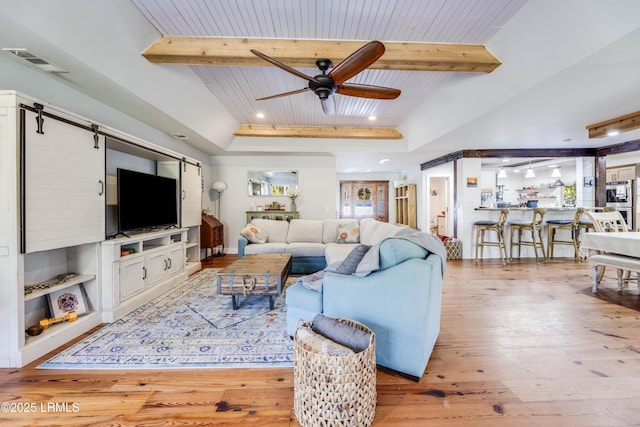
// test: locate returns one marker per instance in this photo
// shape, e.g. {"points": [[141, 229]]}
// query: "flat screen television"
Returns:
{"points": [[146, 201]]}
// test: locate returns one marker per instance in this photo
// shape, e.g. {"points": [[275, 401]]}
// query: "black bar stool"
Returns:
{"points": [[498, 227]]}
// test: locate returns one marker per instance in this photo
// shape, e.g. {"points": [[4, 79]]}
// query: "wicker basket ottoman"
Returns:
{"points": [[335, 390]]}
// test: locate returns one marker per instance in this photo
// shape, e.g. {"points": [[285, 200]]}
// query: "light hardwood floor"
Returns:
{"points": [[521, 345]]}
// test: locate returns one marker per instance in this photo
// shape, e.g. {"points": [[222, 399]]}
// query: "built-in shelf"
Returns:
{"points": [[81, 278], [406, 210]]}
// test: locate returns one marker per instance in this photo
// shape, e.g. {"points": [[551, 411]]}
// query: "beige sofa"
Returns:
{"points": [[314, 244]]}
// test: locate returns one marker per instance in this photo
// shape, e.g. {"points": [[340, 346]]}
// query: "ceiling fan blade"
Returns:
{"points": [[293, 92], [367, 91], [356, 62], [328, 105], [283, 66]]}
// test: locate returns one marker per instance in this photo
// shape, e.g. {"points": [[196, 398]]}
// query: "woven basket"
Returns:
{"points": [[335, 390]]}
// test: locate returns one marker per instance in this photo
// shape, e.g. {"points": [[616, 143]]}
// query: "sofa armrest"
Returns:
{"points": [[242, 244]]}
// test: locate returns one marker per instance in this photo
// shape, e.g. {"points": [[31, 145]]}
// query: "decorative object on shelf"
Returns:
{"points": [[68, 300], [274, 206], [34, 330], [485, 195], [70, 316], [293, 195], [58, 280]]}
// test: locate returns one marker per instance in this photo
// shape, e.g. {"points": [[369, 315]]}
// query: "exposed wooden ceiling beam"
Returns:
{"points": [[619, 124], [303, 53], [317, 132]]}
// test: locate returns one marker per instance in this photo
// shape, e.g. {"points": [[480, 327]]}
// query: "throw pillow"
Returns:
{"points": [[316, 343], [350, 263], [255, 234], [349, 233], [341, 333]]}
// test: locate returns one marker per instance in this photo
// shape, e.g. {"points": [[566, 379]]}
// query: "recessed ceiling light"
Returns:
{"points": [[372, 118], [506, 160], [384, 161], [260, 115]]}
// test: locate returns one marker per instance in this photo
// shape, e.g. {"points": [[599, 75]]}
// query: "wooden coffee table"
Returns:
{"points": [[259, 274]]}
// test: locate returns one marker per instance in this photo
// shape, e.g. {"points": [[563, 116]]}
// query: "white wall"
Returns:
{"points": [[316, 178], [51, 88]]}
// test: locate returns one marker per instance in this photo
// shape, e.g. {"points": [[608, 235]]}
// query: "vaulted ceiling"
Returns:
{"points": [[564, 65]]}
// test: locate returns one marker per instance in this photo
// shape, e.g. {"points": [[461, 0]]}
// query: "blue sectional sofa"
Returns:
{"points": [[400, 302]]}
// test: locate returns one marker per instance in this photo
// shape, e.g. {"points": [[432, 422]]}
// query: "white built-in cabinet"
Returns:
{"points": [[139, 268], [52, 222], [64, 184], [190, 178]]}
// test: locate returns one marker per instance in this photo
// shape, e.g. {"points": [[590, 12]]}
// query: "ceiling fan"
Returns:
{"points": [[326, 84]]}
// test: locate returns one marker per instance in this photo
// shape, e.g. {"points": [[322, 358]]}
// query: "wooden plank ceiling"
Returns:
{"points": [[214, 38]]}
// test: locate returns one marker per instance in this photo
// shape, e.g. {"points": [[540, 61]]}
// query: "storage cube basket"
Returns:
{"points": [[454, 248], [335, 390]]}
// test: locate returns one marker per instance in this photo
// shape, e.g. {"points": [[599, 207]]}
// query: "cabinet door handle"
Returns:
{"points": [[165, 264], [144, 273], [169, 260], [184, 194], [101, 192]]}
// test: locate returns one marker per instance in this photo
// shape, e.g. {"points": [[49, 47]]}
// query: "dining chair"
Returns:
{"points": [[609, 221]]}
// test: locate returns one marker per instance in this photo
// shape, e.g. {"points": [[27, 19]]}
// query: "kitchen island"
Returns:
{"points": [[518, 214]]}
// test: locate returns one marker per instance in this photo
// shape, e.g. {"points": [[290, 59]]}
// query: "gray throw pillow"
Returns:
{"points": [[350, 263], [341, 333]]}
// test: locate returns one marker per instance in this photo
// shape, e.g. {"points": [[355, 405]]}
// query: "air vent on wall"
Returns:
{"points": [[33, 59], [178, 135]]}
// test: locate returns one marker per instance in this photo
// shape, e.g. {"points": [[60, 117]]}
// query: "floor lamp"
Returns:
{"points": [[219, 186]]}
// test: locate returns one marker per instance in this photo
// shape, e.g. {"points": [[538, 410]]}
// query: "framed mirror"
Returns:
{"points": [[271, 182]]}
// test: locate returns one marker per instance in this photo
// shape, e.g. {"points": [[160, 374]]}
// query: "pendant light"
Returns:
{"points": [[530, 173], [502, 173], [556, 173]]}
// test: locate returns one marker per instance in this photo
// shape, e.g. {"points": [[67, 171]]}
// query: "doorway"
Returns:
{"points": [[364, 199], [439, 205]]}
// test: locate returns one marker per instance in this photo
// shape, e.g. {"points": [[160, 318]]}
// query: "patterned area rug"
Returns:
{"points": [[189, 326]]}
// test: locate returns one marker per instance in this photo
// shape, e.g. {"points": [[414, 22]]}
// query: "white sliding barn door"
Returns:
{"points": [[191, 195], [64, 188]]}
